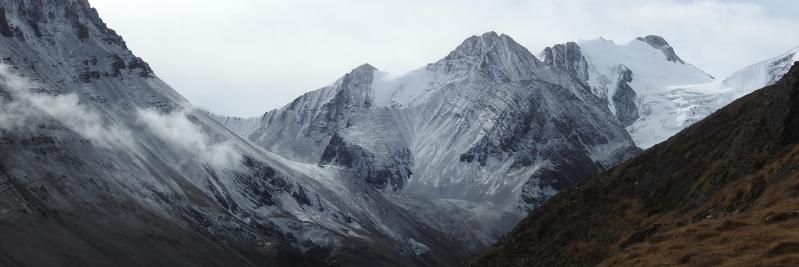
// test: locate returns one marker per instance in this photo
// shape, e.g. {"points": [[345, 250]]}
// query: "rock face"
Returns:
{"points": [[659, 43], [568, 57], [467, 144], [722, 192], [103, 164], [384, 174], [624, 98]]}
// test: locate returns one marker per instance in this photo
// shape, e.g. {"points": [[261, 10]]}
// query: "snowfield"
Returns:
{"points": [[668, 111]]}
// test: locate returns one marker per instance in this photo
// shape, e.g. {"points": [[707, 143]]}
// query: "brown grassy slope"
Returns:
{"points": [[724, 192]]}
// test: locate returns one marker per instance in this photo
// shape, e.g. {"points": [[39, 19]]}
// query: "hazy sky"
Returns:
{"points": [[244, 57]]}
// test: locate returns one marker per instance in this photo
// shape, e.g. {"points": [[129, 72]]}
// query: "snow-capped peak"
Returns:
{"points": [[495, 55], [495, 49], [652, 73], [629, 77], [478, 45]]}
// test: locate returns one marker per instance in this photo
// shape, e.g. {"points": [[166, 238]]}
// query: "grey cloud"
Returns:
{"points": [[26, 108], [176, 129]]}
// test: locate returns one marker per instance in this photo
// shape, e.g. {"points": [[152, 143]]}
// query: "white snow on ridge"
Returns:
{"points": [[651, 71], [402, 90], [669, 95], [666, 113], [761, 74]]}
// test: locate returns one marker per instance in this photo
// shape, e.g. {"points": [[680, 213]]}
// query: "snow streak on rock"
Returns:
{"points": [[484, 134]]}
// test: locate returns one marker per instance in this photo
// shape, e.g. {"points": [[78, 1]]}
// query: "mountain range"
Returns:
{"points": [[102, 163]]}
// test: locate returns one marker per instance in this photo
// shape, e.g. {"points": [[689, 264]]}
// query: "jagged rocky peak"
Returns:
{"points": [[363, 69], [568, 57], [42, 17], [661, 44], [496, 54], [476, 44], [487, 44], [359, 78], [49, 24], [356, 87], [351, 90], [561, 55]]}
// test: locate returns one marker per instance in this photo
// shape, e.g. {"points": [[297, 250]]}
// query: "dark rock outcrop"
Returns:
{"points": [[624, 98], [567, 57], [138, 64], [659, 43], [5, 28], [384, 174]]}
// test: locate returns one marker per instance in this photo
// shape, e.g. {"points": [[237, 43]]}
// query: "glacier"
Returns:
{"points": [[653, 91]]}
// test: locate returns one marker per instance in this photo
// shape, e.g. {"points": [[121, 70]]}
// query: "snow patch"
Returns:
{"points": [[402, 90]]}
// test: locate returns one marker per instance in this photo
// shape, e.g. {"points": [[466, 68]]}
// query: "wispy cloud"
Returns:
{"points": [[27, 109], [176, 129]]}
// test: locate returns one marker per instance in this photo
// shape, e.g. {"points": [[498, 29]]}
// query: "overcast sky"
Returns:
{"points": [[245, 57]]}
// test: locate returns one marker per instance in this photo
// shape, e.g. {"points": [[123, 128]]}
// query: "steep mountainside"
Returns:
{"points": [[467, 143], [723, 192], [103, 164]]}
